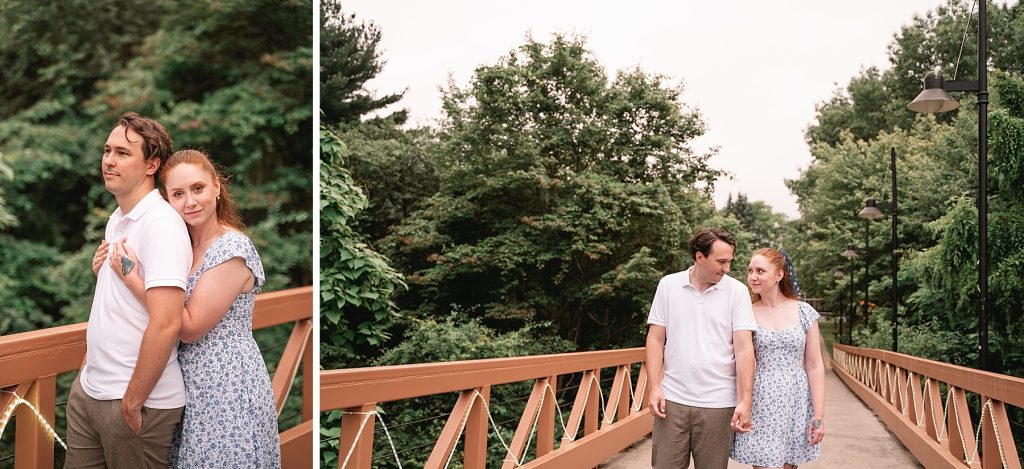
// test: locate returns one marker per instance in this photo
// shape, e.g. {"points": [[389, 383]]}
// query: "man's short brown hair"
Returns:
{"points": [[702, 240], [156, 141]]}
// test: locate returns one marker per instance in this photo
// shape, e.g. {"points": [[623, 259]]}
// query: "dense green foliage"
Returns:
{"points": [[231, 77], [348, 59], [937, 175], [357, 285], [563, 196]]}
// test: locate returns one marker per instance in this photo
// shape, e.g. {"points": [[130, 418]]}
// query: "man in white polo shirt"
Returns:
{"points": [[129, 396], [700, 358]]}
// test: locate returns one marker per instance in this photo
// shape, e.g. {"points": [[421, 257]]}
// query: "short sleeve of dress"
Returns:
{"points": [[808, 315], [235, 244]]}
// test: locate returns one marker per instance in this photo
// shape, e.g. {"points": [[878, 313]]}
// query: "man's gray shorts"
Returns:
{"points": [[704, 432], [98, 436]]}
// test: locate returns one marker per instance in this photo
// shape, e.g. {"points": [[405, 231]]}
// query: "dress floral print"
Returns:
{"points": [[782, 405], [230, 420]]}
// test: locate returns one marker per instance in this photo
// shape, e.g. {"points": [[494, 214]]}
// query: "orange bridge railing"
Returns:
{"points": [[623, 421], [924, 403], [31, 361]]}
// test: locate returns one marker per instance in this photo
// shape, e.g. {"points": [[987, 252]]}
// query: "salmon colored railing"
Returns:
{"points": [[31, 361], [935, 424], [625, 418]]}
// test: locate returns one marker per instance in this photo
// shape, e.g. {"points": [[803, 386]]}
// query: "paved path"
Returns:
{"points": [[854, 438]]}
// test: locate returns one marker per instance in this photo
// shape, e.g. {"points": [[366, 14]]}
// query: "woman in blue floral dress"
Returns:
{"points": [[230, 419], [789, 382]]}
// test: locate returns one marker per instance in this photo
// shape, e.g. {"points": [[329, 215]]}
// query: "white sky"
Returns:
{"points": [[754, 69]]}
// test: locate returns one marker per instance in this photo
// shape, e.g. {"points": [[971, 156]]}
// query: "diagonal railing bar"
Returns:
{"points": [[905, 392], [32, 361], [351, 389]]}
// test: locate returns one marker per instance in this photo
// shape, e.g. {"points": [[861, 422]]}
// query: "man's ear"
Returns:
{"points": [[699, 257], [152, 165]]}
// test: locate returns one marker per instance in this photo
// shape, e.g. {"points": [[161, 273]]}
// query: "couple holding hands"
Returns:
{"points": [[734, 372]]}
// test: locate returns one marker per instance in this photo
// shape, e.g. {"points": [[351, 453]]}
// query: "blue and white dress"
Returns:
{"points": [[782, 405], [230, 420]]}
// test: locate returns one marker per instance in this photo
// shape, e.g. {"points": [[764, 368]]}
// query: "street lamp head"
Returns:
{"points": [[934, 98], [849, 253], [870, 211]]}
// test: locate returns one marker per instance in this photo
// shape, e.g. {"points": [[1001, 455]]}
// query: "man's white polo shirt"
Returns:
{"points": [[118, 320], [700, 365]]}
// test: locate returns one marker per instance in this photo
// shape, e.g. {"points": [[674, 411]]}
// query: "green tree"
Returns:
{"points": [[356, 283], [348, 59], [937, 182], [233, 78], [563, 197], [767, 228], [395, 168]]}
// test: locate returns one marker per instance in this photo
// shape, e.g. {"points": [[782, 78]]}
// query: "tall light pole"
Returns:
{"points": [[839, 276], [935, 98], [869, 213], [849, 254], [895, 264]]}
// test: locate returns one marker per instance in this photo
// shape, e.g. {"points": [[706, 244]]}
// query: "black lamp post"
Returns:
{"points": [[839, 276], [849, 254], [869, 213], [872, 212], [895, 246], [935, 98]]}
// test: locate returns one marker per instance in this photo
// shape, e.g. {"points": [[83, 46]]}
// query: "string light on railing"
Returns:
{"points": [[366, 418], [511, 457], [941, 431], [9, 411]]}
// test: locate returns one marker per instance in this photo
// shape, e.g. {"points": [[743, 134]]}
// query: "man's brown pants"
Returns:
{"points": [[704, 432], [98, 436]]}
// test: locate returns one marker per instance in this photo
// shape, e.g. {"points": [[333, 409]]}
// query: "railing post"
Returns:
{"points": [[300, 339], [546, 420], [356, 445], [999, 446], [307, 382], [593, 407], [475, 456], [33, 444]]}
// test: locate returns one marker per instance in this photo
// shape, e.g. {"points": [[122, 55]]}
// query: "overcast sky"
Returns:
{"points": [[754, 69]]}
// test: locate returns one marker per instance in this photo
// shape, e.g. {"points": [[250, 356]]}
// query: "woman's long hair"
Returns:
{"points": [[777, 259], [227, 210]]}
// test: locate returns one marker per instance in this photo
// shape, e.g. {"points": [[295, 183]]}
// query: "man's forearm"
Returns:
{"points": [[745, 377], [161, 336], [655, 355], [157, 343]]}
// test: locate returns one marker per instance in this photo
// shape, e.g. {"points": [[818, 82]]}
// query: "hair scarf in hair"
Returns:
{"points": [[792, 274]]}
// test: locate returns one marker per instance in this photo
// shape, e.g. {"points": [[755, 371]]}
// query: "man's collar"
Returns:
{"points": [[687, 283], [143, 206]]}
